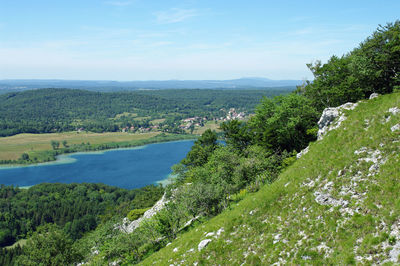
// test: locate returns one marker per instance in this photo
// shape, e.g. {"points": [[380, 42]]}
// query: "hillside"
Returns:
{"points": [[60, 110], [337, 204], [109, 85]]}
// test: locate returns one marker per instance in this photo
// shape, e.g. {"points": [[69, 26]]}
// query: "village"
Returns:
{"points": [[187, 125]]}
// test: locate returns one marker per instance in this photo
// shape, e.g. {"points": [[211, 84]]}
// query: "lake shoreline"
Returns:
{"points": [[128, 168], [64, 158]]}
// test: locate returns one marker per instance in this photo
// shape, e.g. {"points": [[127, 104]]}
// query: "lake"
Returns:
{"points": [[125, 168]]}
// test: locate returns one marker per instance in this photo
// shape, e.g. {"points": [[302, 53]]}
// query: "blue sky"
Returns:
{"points": [[162, 39]]}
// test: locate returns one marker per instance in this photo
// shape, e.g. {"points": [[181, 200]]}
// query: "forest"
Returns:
{"points": [[60, 110], [76, 208], [213, 176]]}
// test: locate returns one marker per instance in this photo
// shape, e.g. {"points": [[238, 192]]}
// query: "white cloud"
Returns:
{"points": [[175, 15]]}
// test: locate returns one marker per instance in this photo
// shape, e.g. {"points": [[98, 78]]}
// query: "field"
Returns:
{"points": [[11, 148], [209, 125]]}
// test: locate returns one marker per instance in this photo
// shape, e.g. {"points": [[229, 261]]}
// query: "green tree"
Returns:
{"points": [[65, 144], [191, 128], [282, 123], [376, 62], [374, 66], [55, 144], [201, 150], [236, 134], [25, 157], [49, 245], [334, 83]]}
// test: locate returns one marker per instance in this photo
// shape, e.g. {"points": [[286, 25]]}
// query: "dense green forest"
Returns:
{"points": [[58, 110], [213, 176], [75, 208]]}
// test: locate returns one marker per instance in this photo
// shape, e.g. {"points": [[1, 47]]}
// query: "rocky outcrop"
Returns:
{"points": [[203, 244], [373, 95], [302, 152], [128, 226], [332, 118]]}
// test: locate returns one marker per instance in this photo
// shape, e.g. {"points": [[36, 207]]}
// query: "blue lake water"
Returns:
{"points": [[125, 168]]}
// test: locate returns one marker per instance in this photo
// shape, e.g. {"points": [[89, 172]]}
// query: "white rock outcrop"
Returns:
{"points": [[332, 118], [394, 110], [203, 244], [373, 95], [302, 152], [128, 226], [395, 128]]}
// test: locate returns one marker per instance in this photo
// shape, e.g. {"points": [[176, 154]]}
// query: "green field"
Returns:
{"points": [[11, 148], [209, 125]]}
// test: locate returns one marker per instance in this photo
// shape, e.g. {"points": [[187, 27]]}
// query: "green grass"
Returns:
{"points": [[209, 125], [13, 147], [284, 223]]}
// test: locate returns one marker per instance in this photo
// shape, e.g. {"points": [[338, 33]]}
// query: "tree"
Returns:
{"points": [[65, 144], [49, 245], [55, 144], [374, 66], [283, 123], [201, 150], [376, 62], [334, 83], [25, 157], [236, 134]]}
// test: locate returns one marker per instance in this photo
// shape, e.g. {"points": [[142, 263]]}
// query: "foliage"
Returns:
{"points": [[202, 148], [236, 134], [75, 207], [374, 66], [282, 123], [136, 214], [285, 218], [213, 178], [8, 256], [60, 110], [49, 245]]}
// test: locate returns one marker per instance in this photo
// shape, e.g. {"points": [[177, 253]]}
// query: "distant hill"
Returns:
{"points": [[10, 85], [57, 110]]}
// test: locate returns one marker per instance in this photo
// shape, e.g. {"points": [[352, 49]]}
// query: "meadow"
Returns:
{"points": [[11, 148]]}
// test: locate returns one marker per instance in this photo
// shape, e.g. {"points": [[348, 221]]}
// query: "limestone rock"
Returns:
{"points": [[203, 244], [129, 226], [302, 152], [394, 110], [395, 127], [373, 95], [332, 118]]}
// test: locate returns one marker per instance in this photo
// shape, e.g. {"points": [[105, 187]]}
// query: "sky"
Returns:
{"points": [[194, 39]]}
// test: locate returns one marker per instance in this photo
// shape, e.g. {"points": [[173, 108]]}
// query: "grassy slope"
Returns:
{"points": [[284, 223]]}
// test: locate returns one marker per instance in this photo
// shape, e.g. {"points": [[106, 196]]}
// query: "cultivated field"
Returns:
{"points": [[13, 147], [209, 125]]}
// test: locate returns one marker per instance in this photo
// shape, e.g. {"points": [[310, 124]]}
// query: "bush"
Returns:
{"points": [[136, 214]]}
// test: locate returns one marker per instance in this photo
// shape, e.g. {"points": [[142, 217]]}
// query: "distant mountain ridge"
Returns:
{"points": [[109, 85]]}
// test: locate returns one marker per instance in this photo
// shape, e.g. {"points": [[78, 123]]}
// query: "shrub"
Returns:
{"points": [[136, 214]]}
